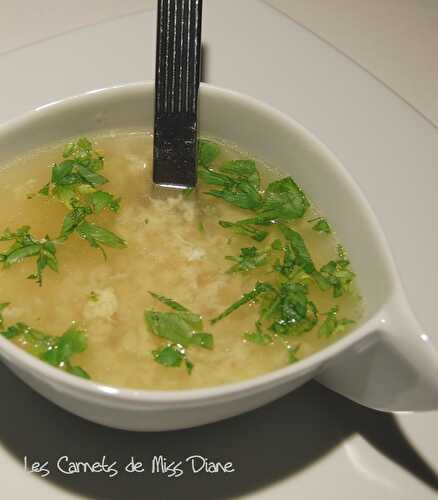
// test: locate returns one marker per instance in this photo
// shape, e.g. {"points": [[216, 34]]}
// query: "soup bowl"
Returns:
{"points": [[386, 362]]}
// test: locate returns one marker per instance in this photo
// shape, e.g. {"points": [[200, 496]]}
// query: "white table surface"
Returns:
{"points": [[393, 39]]}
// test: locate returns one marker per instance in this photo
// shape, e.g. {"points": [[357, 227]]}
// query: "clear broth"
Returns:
{"points": [[167, 254]]}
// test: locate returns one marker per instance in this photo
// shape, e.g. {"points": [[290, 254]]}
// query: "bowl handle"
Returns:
{"points": [[394, 368]]}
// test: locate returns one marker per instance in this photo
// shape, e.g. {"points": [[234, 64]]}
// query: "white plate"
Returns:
{"points": [[312, 444]]}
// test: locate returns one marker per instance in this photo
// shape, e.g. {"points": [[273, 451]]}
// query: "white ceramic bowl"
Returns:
{"points": [[385, 363]]}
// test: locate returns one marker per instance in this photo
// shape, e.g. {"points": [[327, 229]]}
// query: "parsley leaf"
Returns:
{"points": [[332, 324], [202, 339], [337, 275], [258, 337], [302, 254], [100, 200], [288, 266], [283, 201], [57, 351], [243, 171], [178, 327], [99, 236], [74, 182], [259, 289], [245, 229], [240, 183], [249, 259], [3, 306], [242, 194], [168, 356], [25, 246], [321, 226], [172, 356], [77, 173], [169, 302], [73, 341], [207, 152], [72, 220], [75, 221], [291, 353], [290, 310], [181, 328]]}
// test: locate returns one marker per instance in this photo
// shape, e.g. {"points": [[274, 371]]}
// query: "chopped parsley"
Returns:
{"points": [[57, 351], [207, 153], [285, 307], [283, 301], [299, 249], [336, 275], [238, 183], [245, 229], [284, 201], [258, 337], [180, 328], [75, 182], [250, 258], [260, 288], [321, 225], [332, 324], [291, 353], [26, 246], [172, 356]]}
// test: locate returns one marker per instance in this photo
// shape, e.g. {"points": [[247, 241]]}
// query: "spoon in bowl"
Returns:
{"points": [[177, 76]]}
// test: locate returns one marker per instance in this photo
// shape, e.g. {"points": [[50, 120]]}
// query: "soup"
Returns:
{"points": [[106, 279]]}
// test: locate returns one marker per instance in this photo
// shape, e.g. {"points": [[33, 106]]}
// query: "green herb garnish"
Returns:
{"points": [[284, 304], [207, 152], [26, 246], [284, 201], [242, 171], [245, 229], [251, 296], [57, 351], [77, 174], [169, 302], [302, 254], [98, 237], [250, 258], [337, 275], [321, 226], [172, 356], [100, 200], [258, 337], [74, 182], [180, 328], [3, 306], [237, 185], [291, 353], [289, 310], [332, 324]]}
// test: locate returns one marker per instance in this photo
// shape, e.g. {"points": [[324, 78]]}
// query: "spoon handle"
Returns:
{"points": [[177, 76]]}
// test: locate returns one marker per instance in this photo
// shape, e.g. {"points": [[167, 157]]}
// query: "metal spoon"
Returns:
{"points": [[176, 92]]}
